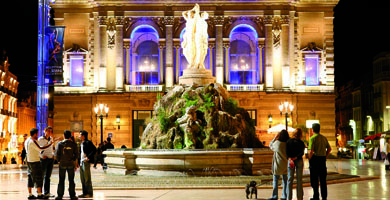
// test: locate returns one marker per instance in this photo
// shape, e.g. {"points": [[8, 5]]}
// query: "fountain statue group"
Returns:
{"points": [[195, 45], [195, 38]]}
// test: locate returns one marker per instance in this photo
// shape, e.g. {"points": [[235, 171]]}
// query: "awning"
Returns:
{"points": [[372, 137], [278, 128]]}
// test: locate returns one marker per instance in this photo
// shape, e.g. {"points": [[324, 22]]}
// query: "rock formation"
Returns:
{"points": [[199, 118]]}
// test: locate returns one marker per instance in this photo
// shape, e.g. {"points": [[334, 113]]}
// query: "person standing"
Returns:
{"points": [[66, 154], [387, 152], [23, 156], [99, 156], [35, 175], [279, 163], [47, 159], [109, 145], [319, 150], [4, 160], [295, 149], [88, 151]]}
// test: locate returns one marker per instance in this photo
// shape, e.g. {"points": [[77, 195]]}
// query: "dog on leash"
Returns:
{"points": [[251, 189]]}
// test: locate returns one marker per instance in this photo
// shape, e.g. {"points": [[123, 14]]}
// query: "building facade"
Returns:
{"points": [[125, 54], [9, 138]]}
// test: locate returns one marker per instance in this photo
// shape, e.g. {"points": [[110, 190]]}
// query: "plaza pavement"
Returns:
{"points": [[13, 186]]}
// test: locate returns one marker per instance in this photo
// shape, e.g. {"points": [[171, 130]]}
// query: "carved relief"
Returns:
{"points": [[178, 22], [144, 102], [111, 32], [102, 20], [256, 22], [276, 30], [160, 23], [128, 23]]}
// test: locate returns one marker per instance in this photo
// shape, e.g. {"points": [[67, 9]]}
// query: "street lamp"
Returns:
{"points": [[286, 108], [103, 108]]}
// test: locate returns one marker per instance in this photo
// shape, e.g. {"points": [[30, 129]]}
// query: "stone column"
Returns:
{"points": [[268, 52], [211, 47], [219, 49], [284, 43], [161, 63], [103, 52], [127, 76], [96, 50], [292, 49], [169, 51], [119, 54], [226, 46], [260, 57], [177, 62]]}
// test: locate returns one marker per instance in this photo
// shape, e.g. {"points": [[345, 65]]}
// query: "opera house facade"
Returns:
{"points": [[127, 53]]}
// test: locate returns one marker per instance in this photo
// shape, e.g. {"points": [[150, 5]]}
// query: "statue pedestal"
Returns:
{"points": [[197, 76]]}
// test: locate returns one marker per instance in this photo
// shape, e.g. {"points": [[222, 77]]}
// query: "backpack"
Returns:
{"points": [[68, 152]]}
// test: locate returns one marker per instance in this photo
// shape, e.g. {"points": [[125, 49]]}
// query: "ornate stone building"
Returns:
{"points": [[8, 115], [125, 53]]}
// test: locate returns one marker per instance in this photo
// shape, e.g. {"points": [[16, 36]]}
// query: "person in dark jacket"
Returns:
{"points": [[66, 155], [295, 149], [88, 150], [109, 145]]}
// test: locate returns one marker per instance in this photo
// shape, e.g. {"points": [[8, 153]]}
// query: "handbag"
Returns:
{"points": [[387, 162]]}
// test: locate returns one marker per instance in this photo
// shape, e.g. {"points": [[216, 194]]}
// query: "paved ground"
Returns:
{"points": [[13, 186]]}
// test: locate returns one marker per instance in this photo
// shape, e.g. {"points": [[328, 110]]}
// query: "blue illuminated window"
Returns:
{"points": [[243, 55], [146, 53], [311, 69], [76, 70]]}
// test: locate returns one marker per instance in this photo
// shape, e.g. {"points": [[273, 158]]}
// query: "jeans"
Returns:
{"points": [[47, 169], [318, 171], [299, 171], [85, 176], [275, 186], [61, 182]]}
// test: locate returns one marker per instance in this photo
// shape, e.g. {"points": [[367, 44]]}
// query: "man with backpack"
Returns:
{"points": [[66, 154]]}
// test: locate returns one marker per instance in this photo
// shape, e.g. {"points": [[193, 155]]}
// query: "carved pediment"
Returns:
{"points": [[312, 47]]}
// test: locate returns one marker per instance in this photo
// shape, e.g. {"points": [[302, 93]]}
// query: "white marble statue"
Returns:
{"points": [[195, 39]]}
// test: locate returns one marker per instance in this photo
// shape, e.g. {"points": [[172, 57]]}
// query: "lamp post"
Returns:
{"points": [[286, 108], [103, 108]]}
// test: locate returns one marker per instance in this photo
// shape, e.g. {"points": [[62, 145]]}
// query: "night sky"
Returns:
{"points": [[362, 30]]}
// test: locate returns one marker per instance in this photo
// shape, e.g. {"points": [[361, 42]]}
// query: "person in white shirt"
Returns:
{"points": [[35, 176], [47, 159]]}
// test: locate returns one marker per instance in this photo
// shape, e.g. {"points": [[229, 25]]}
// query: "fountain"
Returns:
{"points": [[196, 125]]}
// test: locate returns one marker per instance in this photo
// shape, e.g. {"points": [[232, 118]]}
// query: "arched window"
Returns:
{"points": [[183, 61], [243, 55], [145, 53]]}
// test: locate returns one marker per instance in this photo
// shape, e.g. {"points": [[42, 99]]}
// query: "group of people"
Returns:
{"points": [[70, 156], [288, 161]]}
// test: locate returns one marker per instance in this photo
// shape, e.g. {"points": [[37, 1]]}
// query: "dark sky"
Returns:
{"points": [[362, 30]]}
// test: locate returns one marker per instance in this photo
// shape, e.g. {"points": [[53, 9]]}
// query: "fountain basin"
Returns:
{"points": [[172, 162]]}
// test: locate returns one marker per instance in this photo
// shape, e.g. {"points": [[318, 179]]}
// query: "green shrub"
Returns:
{"points": [[163, 119], [231, 106]]}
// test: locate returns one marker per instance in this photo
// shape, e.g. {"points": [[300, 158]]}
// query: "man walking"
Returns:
{"points": [[88, 151], [319, 150], [66, 154], [35, 176], [47, 159]]}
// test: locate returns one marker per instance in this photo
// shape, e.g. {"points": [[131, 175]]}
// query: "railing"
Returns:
{"points": [[233, 87], [144, 88]]}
